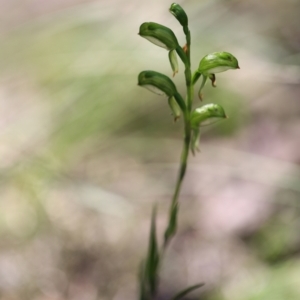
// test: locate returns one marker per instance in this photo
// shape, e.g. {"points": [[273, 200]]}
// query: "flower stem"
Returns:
{"points": [[171, 229], [188, 73]]}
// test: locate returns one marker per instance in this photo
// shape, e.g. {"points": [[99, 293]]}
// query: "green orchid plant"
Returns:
{"points": [[192, 118]]}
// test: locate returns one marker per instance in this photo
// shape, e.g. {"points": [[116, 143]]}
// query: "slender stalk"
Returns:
{"points": [[188, 74], [187, 138], [183, 164]]}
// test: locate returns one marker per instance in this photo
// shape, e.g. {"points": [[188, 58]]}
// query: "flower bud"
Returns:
{"points": [[205, 112], [177, 11], [159, 35]]}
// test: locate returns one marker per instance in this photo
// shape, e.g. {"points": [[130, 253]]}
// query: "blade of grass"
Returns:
{"points": [[152, 262], [186, 291]]}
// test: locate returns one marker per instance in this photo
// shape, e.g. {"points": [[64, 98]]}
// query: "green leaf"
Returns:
{"points": [[159, 35], [183, 293], [152, 262], [144, 295]]}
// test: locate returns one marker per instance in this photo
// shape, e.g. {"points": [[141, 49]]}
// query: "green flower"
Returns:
{"points": [[210, 64], [157, 83], [200, 115], [159, 35], [164, 37], [161, 84], [217, 62], [205, 112]]}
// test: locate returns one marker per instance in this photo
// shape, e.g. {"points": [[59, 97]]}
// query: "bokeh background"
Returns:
{"points": [[85, 153]]}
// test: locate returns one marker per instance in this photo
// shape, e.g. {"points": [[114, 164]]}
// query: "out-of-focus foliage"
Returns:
{"points": [[85, 153]]}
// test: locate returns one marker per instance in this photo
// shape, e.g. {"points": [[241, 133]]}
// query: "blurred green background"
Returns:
{"points": [[85, 153]]}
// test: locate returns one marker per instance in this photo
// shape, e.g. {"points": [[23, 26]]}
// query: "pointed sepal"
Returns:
{"points": [[173, 61], [201, 87], [174, 108], [195, 140]]}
